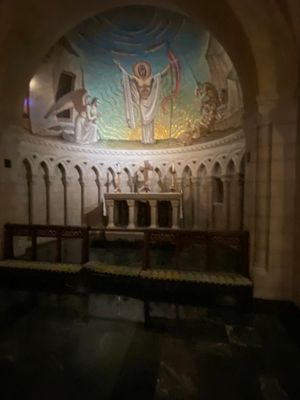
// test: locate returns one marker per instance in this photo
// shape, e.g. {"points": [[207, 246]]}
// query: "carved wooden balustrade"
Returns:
{"points": [[58, 232], [211, 241]]}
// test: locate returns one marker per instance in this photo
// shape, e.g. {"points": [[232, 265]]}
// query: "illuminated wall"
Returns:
{"points": [[187, 92]]}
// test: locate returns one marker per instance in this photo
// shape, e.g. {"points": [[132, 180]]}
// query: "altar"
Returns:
{"points": [[143, 210]]}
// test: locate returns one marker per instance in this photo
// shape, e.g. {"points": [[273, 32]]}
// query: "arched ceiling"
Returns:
{"points": [[255, 33]]}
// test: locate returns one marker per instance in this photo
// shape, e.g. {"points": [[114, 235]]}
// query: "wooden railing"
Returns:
{"points": [[211, 241], [179, 240], [57, 232]]}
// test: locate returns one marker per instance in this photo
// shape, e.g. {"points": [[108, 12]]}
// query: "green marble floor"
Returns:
{"points": [[69, 348]]}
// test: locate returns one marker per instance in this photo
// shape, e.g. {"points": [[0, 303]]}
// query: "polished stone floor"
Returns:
{"points": [[68, 348]]}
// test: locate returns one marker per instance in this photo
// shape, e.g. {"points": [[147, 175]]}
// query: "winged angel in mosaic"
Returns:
{"points": [[85, 129]]}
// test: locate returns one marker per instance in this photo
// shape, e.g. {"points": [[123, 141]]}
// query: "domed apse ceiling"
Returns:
{"points": [[135, 77]]}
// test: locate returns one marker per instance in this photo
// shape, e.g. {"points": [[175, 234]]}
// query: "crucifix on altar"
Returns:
{"points": [[145, 171]]}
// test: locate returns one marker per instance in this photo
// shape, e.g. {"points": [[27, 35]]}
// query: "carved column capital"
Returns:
{"points": [[130, 203], [51, 179], [33, 179], [175, 203], [152, 203], [225, 178], [110, 203]]}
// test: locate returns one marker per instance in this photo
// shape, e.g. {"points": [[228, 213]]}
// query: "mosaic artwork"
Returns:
{"points": [[138, 74]]}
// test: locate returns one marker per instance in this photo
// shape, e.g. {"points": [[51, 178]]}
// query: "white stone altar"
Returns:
{"points": [[132, 200]]}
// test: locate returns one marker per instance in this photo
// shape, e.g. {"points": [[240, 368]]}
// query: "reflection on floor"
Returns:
{"points": [[60, 348]]}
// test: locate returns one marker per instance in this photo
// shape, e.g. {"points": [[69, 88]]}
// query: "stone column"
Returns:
{"points": [[102, 190], [195, 189], [32, 188], [235, 202], [270, 197], [203, 207], [65, 205], [180, 189], [69, 215], [51, 206], [209, 188], [153, 205], [110, 213], [82, 190], [225, 214], [36, 209], [131, 214], [175, 209]]}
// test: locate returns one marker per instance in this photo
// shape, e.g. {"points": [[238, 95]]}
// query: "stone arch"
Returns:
{"points": [[202, 171], [217, 169], [231, 168], [236, 20]]}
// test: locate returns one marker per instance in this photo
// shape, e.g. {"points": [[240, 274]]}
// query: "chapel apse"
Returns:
{"points": [[136, 77]]}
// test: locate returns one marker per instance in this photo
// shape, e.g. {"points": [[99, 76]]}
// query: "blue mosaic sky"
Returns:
{"points": [[141, 33]]}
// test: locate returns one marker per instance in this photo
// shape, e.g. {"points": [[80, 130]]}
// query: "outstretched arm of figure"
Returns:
{"points": [[123, 70]]}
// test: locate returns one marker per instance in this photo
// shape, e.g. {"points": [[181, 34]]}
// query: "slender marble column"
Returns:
{"points": [[68, 182], [110, 213], [32, 210], [131, 205], [153, 205], [102, 190], [235, 202], [225, 219], [50, 203], [82, 193], [195, 189], [175, 208], [209, 186], [203, 204], [180, 189]]}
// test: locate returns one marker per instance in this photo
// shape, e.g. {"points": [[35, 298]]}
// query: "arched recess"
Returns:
{"points": [[157, 183], [28, 203], [170, 180], [187, 197], [92, 201], [246, 28], [42, 195], [125, 181], [77, 197], [110, 180], [59, 196]]}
